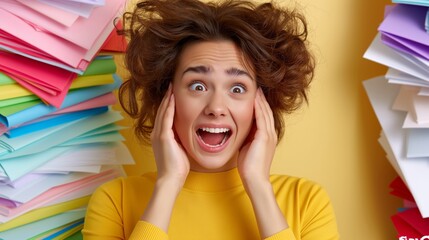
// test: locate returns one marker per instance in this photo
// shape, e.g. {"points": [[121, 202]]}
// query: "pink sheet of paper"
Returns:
{"points": [[409, 204], [46, 75], [16, 46], [103, 100], [57, 192], [53, 98], [58, 48], [63, 17], [84, 32], [49, 83], [65, 54], [3, 129], [40, 86], [9, 41]]}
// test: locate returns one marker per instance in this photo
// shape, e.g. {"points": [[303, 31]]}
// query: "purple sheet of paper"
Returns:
{"points": [[406, 23], [23, 181], [406, 46], [7, 203]]}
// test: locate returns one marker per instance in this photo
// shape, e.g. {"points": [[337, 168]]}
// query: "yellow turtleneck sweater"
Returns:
{"points": [[210, 206]]}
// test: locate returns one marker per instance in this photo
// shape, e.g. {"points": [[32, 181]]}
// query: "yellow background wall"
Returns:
{"points": [[334, 140]]}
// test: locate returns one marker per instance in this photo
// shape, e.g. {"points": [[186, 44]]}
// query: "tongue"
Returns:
{"points": [[212, 138]]}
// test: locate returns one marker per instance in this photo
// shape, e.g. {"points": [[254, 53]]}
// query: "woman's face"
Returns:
{"points": [[214, 93]]}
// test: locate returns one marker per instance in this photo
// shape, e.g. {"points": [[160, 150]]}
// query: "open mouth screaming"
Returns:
{"points": [[214, 137]]}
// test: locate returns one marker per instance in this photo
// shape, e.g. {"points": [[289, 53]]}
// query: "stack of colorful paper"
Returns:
{"points": [[59, 139], [400, 100]]}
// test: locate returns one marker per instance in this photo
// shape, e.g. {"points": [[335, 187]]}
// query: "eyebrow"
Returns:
{"points": [[204, 70], [238, 72]]}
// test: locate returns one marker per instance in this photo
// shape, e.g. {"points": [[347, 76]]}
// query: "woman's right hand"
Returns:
{"points": [[171, 159], [171, 162]]}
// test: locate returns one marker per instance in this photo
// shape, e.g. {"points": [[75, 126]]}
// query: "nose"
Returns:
{"points": [[216, 105]]}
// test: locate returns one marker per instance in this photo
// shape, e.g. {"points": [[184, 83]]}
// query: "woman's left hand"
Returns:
{"points": [[254, 163], [255, 157]]}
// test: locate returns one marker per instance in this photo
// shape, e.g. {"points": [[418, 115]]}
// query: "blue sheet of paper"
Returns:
{"points": [[53, 121], [74, 97], [59, 135], [19, 166], [63, 230], [413, 2]]}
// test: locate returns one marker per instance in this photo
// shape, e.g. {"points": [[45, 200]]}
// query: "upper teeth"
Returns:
{"points": [[215, 130]]}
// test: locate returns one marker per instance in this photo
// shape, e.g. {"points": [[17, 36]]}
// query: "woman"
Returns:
{"points": [[209, 84]]}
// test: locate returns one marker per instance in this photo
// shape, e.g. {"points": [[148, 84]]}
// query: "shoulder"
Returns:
{"points": [[123, 185], [300, 184], [130, 180], [307, 207], [302, 191]]}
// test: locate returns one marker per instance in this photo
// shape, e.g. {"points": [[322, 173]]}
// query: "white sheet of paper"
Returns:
{"points": [[415, 172], [424, 91], [398, 77], [414, 60], [83, 10], [82, 187], [64, 17], [421, 108], [403, 101], [410, 122], [33, 189], [417, 143], [389, 154], [89, 158]]}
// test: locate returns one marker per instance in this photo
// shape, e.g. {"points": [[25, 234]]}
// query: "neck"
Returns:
{"points": [[213, 182], [230, 164]]}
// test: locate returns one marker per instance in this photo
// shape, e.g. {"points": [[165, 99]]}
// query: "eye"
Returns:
{"points": [[238, 89], [197, 86]]}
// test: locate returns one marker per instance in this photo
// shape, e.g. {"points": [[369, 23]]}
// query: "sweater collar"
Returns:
{"points": [[213, 182]]}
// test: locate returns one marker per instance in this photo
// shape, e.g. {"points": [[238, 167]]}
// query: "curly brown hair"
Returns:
{"points": [[272, 39]]}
